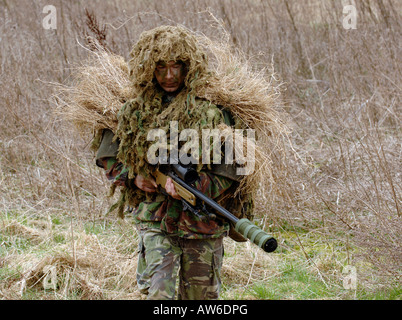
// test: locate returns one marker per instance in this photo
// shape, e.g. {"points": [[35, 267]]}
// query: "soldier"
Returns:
{"points": [[167, 69]]}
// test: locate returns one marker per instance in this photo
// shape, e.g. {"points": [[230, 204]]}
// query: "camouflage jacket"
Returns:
{"points": [[162, 211]]}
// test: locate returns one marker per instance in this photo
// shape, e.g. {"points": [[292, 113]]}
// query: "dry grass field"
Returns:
{"points": [[335, 205]]}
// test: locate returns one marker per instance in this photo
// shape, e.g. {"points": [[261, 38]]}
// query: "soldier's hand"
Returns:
{"points": [[171, 190], [147, 185]]}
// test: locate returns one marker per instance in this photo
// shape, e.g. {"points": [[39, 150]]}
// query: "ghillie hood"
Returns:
{"points": [[166, 43]]}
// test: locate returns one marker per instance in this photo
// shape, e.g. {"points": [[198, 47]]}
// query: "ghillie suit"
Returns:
{"points": [[147, 110], [228, 83]]}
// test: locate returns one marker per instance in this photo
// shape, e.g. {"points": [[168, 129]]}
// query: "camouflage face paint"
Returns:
{"points": [[170, 75]]}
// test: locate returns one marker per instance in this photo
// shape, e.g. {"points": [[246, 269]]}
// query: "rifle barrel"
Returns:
{"points": [[243, 226]]}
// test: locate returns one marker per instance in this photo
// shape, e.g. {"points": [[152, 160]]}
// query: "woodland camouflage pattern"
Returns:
{"points": [[174, 241], [150, 109], [166, 213], [171, 240], [161, 258]]}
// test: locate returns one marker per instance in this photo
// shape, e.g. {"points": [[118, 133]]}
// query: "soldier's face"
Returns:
{"points": [[170, 75]]}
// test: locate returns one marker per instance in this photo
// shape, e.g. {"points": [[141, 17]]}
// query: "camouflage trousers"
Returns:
{"points": [[163, 257]]}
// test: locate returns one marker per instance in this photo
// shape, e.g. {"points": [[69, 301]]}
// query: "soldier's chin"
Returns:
{"points": [[170, 88]]}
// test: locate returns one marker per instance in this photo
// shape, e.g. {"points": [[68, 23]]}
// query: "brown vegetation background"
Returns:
{"points": [[341, 93]]}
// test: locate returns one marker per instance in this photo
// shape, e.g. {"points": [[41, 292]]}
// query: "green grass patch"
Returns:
{"points": [[294, 282], [307, 265]]}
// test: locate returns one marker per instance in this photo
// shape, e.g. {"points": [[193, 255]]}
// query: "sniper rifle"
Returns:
{"points": [[195, 201]]}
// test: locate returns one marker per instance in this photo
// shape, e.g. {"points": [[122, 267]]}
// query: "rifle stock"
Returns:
{"points": [[160, 179]]}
